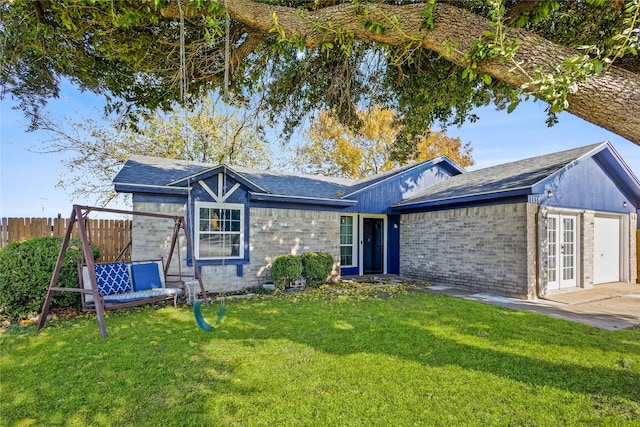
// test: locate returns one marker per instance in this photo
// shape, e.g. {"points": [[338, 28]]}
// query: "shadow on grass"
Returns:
{"points": [[187, 368], [422, 336]]}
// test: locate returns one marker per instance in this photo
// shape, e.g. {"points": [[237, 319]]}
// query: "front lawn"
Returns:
{"points": [[321, 360]]}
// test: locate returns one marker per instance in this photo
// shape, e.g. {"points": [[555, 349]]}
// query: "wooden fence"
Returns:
{"points": [[112, 236]]}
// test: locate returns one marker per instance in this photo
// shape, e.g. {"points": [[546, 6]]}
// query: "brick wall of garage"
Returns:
{"points": [[488, 249]]}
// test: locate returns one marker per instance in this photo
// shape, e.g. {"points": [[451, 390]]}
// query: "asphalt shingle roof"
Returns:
{"points": [[497, 179], [154, 171]]}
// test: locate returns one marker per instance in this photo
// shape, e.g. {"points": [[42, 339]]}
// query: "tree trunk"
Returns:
{"points": [[610, 100]]}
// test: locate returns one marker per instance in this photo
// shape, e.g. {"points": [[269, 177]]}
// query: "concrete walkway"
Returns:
{"points": [[609, 306]]}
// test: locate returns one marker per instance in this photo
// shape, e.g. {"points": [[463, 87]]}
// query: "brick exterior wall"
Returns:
{"points": [[587, 246], [488, 249], [151, 237], [272, 232], [285, 231]]}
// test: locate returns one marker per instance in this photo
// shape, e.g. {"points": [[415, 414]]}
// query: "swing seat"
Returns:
{"points": [[202, 323], [126, 284]]}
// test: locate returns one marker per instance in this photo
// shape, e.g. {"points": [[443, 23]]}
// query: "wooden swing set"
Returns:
{"points": [[91, 291]]}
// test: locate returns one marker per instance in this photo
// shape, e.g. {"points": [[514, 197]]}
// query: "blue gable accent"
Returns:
{"points": [[228, 173], [377, 198], [200, 193], [586, 184]]}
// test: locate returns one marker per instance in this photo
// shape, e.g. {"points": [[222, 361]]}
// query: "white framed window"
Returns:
{"points": [[219, 230], [347, 241]]}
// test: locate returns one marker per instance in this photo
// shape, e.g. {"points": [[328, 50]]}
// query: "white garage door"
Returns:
{"points": [[606, 245]]}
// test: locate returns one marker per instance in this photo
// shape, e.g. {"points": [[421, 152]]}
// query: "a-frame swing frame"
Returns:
{"points": [[79, 214]]}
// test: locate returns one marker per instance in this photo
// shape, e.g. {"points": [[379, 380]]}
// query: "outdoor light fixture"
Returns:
{"points": [[625, 204], [549, 193]]}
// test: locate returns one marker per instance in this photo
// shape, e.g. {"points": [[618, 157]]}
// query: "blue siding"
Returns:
{"points": [[393, 244], [584, 185], [378, 197], [349, 271]]}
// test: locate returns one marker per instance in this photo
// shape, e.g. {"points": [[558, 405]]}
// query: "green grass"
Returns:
{"points": [[318, 360]]}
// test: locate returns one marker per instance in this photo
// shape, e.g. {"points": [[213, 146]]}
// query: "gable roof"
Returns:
{"points": [[509, 179], [146, 173], [171, 176]]}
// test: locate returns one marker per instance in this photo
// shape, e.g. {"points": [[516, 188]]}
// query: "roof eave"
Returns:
{"points": [[121, 187], [523, 191], [279, 198]]}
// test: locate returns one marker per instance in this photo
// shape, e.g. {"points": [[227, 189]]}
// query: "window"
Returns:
{"points": [[346, 241], [220, 230]]}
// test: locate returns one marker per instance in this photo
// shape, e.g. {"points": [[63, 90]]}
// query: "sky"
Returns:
{"points": [[28, 179]]}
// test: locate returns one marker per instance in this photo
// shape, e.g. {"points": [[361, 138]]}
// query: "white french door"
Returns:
{"points": [[562, 249]]}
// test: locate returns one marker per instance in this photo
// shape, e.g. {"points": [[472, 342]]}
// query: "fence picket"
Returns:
{"points": [[112, 236]]}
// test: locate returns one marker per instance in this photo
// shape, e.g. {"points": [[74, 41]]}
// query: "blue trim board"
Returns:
{"points": [[349, 271], [149, 189], [393, 244], [503, 197], [272, 200], [159, 198]]}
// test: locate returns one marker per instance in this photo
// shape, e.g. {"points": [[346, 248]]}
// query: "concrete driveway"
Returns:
{"points": [[609, 306]]}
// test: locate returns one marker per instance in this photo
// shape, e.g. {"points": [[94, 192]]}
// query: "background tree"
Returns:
{"points": [[431, 61], [97, 150], [338, 150]]}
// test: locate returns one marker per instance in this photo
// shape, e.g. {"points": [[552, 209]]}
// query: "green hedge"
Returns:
{"points": [[26, 268], [316, 267], [285, 269]]}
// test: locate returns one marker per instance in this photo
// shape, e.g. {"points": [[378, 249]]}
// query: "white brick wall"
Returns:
{"points": [[151, 237], [284, 231], [482, 248], [272, 232]]}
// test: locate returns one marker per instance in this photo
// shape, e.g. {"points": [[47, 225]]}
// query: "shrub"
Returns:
{"points": [[26, 268], [285, 269], [316, 267]]}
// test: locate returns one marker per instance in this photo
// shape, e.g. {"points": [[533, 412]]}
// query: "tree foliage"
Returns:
{"points": [[430, 60], [26, 268], [98, 151], [338, 150]]}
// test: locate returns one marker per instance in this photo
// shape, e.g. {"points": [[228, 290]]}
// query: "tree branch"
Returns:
{"points": [[519, 8], [610, 100]]}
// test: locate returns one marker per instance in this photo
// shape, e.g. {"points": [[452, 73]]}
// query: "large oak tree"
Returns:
{"points": [[432, 61]]}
